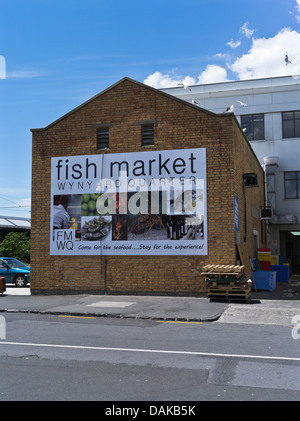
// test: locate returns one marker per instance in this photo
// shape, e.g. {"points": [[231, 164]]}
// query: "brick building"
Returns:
{"points": [[144, 132]]}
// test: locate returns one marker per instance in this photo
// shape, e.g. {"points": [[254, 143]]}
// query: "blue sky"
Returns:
{"points": [[58, 54]]}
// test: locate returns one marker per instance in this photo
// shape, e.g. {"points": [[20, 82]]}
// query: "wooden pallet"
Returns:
{"points": [[228, 285], [230, 293], [230, 297], [229, 289], [226, 271], [225, 281]]}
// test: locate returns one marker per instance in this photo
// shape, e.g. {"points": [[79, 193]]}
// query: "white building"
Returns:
{"points": [[268, 111]]}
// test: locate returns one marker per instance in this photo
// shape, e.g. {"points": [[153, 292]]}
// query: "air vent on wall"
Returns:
{"points": [[266, 212], [250, 180]]}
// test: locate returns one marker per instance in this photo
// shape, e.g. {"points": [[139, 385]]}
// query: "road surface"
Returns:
{"points": [[51, 357]]}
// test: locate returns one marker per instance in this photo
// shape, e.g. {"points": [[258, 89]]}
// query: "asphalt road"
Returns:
{"points": [[49, 357]]}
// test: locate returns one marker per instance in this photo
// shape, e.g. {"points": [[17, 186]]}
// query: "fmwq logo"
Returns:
{"points": [[2, 67]]}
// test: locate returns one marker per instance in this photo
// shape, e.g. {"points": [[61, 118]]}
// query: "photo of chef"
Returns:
{"points": [[66, 212]]}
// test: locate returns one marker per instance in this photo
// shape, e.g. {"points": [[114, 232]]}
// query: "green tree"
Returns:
{"points": [[16, 244]]}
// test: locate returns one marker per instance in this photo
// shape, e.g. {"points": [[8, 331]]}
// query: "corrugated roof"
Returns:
{"points": [[14, 222]]}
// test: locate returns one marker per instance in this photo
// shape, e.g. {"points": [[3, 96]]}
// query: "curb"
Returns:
{"points": [[114, 315]]}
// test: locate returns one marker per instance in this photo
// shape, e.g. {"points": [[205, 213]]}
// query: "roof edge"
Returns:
{"points": [[116, 84], [268, 78]]}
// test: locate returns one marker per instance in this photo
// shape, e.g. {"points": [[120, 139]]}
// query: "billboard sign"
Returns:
{"points": [[149, 203]]}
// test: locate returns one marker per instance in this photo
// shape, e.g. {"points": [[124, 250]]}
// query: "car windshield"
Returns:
{"points": [[14, 263]]}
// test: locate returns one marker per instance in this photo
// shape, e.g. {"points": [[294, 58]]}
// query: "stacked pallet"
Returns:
{"points": [[227, 282]]}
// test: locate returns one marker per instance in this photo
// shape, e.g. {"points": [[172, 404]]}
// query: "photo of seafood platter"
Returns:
{"points": [[96, 228]]}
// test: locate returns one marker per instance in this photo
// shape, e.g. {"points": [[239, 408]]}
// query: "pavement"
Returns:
{"points": [[273, 308], [127, 306]]}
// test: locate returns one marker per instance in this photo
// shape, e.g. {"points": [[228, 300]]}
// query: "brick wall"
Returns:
{"points": [[178, 125]]}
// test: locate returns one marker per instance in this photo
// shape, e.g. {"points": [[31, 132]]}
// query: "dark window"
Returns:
{"points": [[291, 124], [147, 134], [102, 138], [254, 125], [250, 180], [292, 185]]}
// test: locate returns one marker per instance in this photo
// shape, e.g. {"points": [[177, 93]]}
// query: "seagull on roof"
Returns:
{"points": [[184, 86], [194, 102], [286, 59], [229, 109], [242, 103]]}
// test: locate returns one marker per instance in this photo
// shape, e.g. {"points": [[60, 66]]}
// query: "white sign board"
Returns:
{"points": [[150, 203]]}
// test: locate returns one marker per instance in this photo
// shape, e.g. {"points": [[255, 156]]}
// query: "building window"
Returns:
{"points": [[253, 126], [250, 180], [292, 185], [147, 134], [102, 137], [291, 124]]}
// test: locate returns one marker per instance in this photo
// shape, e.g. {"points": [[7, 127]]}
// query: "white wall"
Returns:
{"points": [[269, 96]]}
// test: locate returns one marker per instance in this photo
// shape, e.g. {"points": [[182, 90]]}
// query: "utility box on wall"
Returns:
{"points": [[135, 190]]}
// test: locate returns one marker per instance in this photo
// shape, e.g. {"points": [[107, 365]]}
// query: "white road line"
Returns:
{"points": [[158, 351]]}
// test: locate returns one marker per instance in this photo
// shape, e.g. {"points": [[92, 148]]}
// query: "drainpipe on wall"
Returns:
{"points": [[245, 210], [101, 255], [249, 180], [264, 166], [269, 161]]}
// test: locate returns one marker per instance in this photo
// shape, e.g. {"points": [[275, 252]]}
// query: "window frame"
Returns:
{"points": [[143, 124], [294, 119], [244, 126], [102, 128], [289, 179], [147, 134]]}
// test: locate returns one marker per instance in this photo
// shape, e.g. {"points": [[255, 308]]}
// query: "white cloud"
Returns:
{"points": [[158, 80], [234, 44], [266, 57], [223, 56], [213, 74], [246, 31], [21, 74]]}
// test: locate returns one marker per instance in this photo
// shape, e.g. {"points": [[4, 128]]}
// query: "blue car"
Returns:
{"points": [[14, 271]]}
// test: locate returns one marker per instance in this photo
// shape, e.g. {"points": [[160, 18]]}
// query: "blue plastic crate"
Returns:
{"points": [[282, 272], [265, 280]]}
